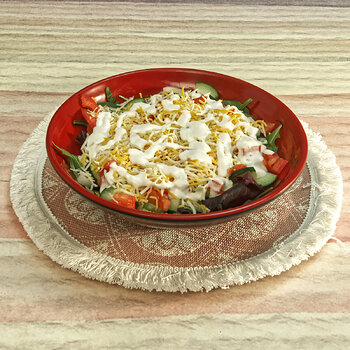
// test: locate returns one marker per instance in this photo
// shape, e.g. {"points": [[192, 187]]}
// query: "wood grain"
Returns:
{"points": [[284, 49], [43, 291]]}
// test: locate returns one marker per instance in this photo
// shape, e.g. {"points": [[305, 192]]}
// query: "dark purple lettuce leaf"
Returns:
{"points": [[244, 188], [81, 137]]}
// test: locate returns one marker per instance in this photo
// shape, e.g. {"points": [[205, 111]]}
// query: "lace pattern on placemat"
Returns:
{"points": [[108, 233]]}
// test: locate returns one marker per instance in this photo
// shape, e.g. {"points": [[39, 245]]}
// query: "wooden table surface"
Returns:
{"points": [[298, 52]]}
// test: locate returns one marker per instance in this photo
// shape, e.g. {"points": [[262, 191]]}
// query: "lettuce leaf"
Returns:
{"points": [[272, 137]]}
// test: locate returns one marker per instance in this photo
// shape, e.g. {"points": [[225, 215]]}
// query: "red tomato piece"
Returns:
{"points": [[235, 168], [107, 166], [89, 118], [200, 99], [88, 102], [159, 200], [125, 200], [279, 165], [274, 163], [269, 127]]}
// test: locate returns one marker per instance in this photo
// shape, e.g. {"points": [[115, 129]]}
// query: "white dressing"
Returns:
{"points": [[135, 139], [170, 106], [100, 132], [196, 130], [143, 157], [250, 153], [170, 141], [139, 180], [179, 184], [122, 116], [146, 107], [224, 154], [196, 154], [184, 119]]}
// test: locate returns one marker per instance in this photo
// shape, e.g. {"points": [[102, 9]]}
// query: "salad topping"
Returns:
{"points": [[182, 144]]}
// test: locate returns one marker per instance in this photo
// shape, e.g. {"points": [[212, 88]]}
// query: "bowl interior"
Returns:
{"points": [[292, 144]]}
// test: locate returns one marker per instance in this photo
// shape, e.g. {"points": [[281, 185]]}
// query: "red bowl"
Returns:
{"points": [[292, 145]]}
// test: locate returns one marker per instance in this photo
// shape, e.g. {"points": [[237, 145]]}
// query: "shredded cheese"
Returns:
{"points": [[176, 143]]}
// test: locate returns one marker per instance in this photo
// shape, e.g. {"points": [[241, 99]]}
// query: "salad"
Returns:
{"points": [[179, 151]]}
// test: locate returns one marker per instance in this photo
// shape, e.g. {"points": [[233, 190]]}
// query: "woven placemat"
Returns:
{"points": [[100, 244], [110, 234]]}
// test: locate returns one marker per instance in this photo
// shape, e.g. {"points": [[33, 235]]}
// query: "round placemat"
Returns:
{"points": [[100, 244]]}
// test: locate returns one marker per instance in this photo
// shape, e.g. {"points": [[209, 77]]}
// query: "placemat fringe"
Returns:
{"points": [[310, 238]]}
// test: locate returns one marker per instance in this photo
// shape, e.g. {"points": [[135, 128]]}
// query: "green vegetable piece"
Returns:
{"points": [[204, 88], [107, 193], [95, 174], [241, 106], [272, 137], [186, 208], [199, 208], [266, 180], [110, 99], [240, 172], [80, 122], [74, 161], [268, 189], [174, 203], [135, 100], [108, 104], [92, 191], [246, 103], [148, 206], [74, 164], [109, 95], [73, 167]]}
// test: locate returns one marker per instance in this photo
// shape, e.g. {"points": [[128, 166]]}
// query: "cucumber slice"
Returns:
{"points": [[108, 193], [150, 207], [174, 203], [266, 180], [172, 88], [204, 88], [135, 100], [242, 171]]}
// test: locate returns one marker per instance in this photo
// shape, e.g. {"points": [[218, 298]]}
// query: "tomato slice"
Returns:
{"points": [[200, 99], [235, 168], [279, 165], [125, 200], [107, 165], [156, 198], [89, 118], [88, 102], [274, 163], [269, 127]]}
